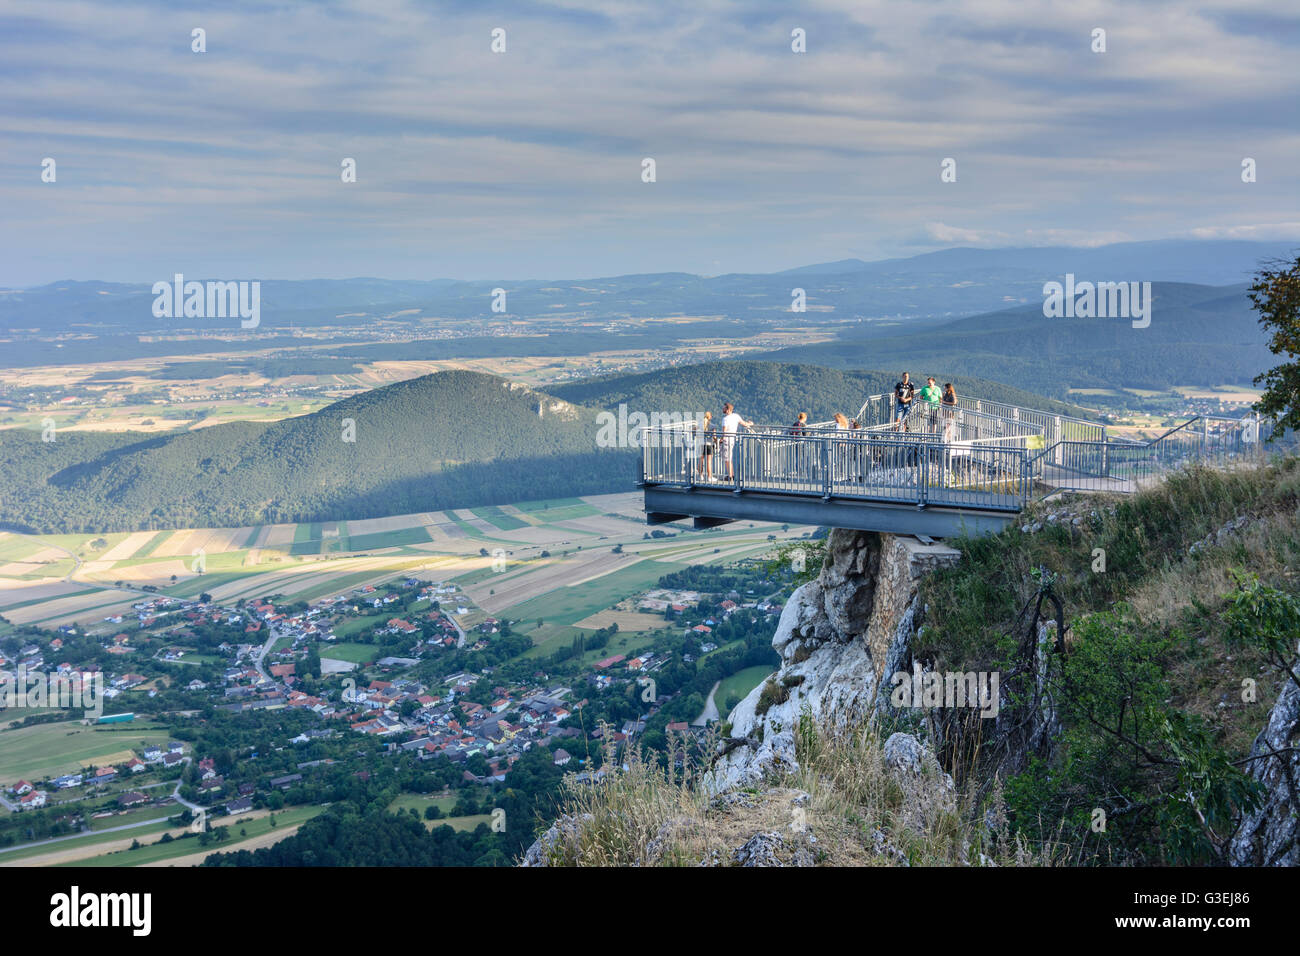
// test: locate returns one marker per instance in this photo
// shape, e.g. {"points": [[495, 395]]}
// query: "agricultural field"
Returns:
{"points": [[740, 683], [567, 562], [87, 845], [351, 653], [577, 599], [255, 824], [47, 750], [419, 801]]}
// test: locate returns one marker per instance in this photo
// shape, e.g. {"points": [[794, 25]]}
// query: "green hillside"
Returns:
{"points": [[447, 440], [453, 439], [773, 393], [1199, 335]]}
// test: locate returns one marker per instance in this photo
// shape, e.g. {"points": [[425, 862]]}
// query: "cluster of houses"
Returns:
{"points": [[613, 669], [29, 655], [427, 721], [515, 720], [426, 629], [665, 601], [29, 798]]}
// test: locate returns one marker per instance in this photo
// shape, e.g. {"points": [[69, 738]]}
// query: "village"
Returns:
{"points": [[391, 662]]}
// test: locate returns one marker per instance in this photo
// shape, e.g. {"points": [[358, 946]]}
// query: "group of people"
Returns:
{"points": [[711, 440], [929, 399]]}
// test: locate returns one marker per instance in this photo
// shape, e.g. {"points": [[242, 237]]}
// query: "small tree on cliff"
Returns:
{"points": [[1276, 296]]}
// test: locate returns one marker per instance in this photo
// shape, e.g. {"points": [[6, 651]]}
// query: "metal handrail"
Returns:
{"points": [[917, 468], [972, 459], [1124, 465]]}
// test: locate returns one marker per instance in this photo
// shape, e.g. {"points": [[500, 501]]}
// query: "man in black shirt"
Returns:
{"points": [[903, 393]]}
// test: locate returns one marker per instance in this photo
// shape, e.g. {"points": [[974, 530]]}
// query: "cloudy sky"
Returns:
{"points": [[528, 163]]}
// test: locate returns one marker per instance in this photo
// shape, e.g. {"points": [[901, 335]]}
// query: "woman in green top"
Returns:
{"points": [[931, 395]]}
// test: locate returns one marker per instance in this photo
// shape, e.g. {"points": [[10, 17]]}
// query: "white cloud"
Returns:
{"points": [[1259, 231], [760, 151], [946, 234]]}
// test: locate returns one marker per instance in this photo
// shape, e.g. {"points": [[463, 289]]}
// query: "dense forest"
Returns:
{"points": [[358, 829], [448, 440]]}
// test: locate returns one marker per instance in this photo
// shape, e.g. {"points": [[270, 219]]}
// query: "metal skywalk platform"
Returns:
{"points": [[944, 471]]}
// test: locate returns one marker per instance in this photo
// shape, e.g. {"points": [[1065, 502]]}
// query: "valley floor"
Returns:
{"points": [[554, 561]]}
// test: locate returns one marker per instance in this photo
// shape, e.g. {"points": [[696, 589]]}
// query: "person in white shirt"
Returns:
{"points": [[731, 422]]}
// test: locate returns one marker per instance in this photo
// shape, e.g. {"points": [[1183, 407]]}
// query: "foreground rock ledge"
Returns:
{"points": [[838, 637]]}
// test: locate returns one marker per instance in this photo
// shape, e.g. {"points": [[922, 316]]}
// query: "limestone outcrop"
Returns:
{"points": [[1270, 836], [838, 637]]}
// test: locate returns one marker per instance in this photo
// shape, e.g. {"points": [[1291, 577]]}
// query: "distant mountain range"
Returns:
{"points": [[1203, 261], [106, 318], [454, 439]]}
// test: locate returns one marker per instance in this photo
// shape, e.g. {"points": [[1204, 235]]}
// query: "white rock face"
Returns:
{"points": [[825, 636], [905, 753], [1271, 835]]}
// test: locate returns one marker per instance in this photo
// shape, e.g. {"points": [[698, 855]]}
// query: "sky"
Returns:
{"points": [[529, 163]]}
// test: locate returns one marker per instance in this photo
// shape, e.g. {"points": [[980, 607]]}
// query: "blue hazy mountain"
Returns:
{"points": [[1198, 335], [1208, 262], [948, 284]]}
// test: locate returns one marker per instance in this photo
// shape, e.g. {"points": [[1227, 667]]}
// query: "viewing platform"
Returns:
{"points": [[943, 471]]}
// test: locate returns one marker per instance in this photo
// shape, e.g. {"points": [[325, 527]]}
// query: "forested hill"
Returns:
{"points": [[1199, 335], [454, 439], [773, 393], [446, 440]]}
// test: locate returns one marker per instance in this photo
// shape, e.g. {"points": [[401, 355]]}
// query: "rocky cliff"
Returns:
{"points": [[839, 637], [844, 635], [1270, 836]]}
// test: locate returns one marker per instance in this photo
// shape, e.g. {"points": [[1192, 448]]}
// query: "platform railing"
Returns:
{"points": [[955, 424], [1125, 465], [919, 468], [1054, 427], [973, 459], [881, 409]]}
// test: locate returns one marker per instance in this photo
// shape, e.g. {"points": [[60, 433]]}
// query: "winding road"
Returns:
{"points": [[710, 711]]}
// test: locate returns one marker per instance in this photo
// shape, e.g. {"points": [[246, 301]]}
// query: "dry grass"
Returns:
{"points": [[1265, 547], [843, 807]]}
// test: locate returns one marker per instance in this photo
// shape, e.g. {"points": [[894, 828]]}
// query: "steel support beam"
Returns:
{"points": [[705, 505], [662, 517], [708, 521]]}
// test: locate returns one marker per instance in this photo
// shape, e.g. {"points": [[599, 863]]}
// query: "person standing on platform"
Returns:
{"points": [[931, 396], [949, 412], [904, 392], [731, 424], [706, 437]]}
